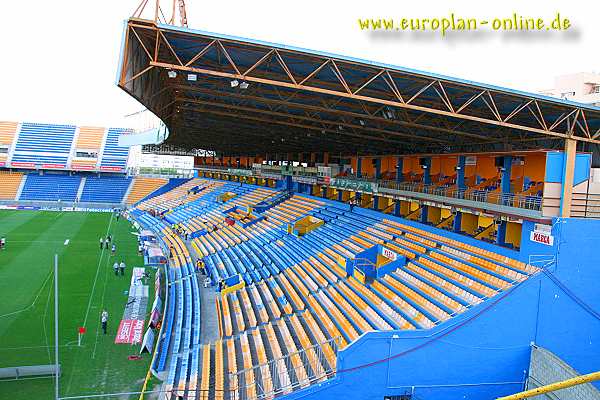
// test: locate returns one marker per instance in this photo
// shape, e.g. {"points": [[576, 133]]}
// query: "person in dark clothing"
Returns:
{"points": [[352, 204]]}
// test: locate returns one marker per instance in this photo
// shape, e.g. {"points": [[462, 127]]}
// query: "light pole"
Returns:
{"points": [[56, 367]]}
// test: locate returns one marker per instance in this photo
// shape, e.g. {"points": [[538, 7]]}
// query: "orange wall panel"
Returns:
{"points": [[448, 165], [535, 166], [486, 167]]}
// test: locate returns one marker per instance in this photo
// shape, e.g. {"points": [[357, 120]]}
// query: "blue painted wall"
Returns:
{"points": [[554, 167]]}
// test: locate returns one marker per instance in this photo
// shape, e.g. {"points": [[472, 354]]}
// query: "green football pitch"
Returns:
{"points": [[87, 285]]}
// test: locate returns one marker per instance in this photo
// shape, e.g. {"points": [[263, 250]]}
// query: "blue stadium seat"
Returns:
{"points": [[50, 187], [44, 144], [114, 156], [105, 189]]}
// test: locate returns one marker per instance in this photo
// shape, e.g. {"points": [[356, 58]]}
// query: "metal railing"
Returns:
{"points": [[288, 373], [523, 201], [585, 205], [505, 199]]}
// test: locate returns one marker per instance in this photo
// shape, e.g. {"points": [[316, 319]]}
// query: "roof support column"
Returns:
{"points": [[501, 233], [568, 174], [399, 167], [377, 162], [426, 165], [399, 178], [460, 173], [506, 173], [358, 167], [457, 223], [424, 213]]}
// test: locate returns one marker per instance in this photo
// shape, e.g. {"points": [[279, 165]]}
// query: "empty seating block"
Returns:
{"points": [[281, 332], [105, 189], [9, 184], [50, 187], [7, 135], [114, 157], [88, 146], [142, 187], [43, 144]]}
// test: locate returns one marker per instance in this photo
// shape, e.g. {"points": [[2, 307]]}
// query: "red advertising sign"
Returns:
{"points": [[118, 169], [542, 237], [53, 166], [22, 164], [2, 163], [83, 167], [130, 331]]}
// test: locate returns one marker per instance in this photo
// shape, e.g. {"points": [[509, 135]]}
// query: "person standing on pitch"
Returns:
{"points": [[122, 268], [114, 248], [104, 320], [101, 243], [116, 268]]}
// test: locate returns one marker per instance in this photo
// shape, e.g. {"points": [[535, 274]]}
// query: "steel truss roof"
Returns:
{"points": [[301, 101]]}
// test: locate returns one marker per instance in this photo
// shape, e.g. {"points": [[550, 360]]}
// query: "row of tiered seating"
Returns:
{"points": [[179, 350], [44, 144], [114, 156], [50, 187], [9, 184], [7, 136], [142, 187], [89, 139], [176, 197], [298, 296], [105, 189], [57, 147]]}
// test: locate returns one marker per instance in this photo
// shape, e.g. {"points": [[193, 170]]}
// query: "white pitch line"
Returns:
{"points": [[91, 297], [87, 313], [101, 303]]}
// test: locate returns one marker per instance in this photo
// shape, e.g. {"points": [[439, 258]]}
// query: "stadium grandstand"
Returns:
{"points": [[350, 229]]}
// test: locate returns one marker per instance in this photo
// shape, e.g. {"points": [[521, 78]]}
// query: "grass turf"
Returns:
{"points": [[86, 285]]}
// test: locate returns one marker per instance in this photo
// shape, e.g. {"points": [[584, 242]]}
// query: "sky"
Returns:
{"points": [[59, 58]]}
